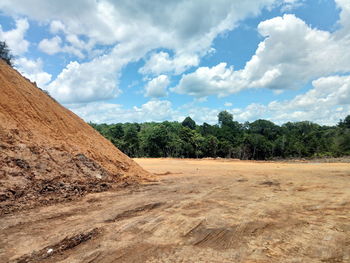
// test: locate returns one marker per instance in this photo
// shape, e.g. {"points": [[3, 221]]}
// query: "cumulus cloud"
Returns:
{"points": [[33, 70], [291, 55], [203, 114], [326, 103], [293, 51], [344, 21], [171, 23], [15, 37], [53, 46], [289, 5], [327, 92], [157, 87], [205, 81], [179, 26], [102, 112], [83, 83], [97, 79], [56, 26], [50, 46], [161, 62]]}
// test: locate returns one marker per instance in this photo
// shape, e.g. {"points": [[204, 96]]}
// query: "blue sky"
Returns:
{"points": [[136, 61]]}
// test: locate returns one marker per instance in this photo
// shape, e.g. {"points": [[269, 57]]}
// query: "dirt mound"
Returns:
{"points": [[49, 153]]}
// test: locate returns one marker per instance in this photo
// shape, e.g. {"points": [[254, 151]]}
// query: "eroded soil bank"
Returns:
{"points": [[199, 211]]}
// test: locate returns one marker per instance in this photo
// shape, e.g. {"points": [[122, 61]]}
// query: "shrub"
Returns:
{"points": [[5, 53]]}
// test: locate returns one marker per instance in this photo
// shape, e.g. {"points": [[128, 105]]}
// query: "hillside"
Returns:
{"points": [[48, 153]]}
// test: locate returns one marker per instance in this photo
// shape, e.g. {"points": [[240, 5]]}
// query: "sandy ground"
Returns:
{"points": [[199, 211]]}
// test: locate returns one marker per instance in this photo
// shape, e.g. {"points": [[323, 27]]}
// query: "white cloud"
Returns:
{"points": [[161, 62], [50, 46], [289, 5], [75, 41], [203, 114], [207, 81], [84, 83], [252, 112], [291, 55], [326, 103], [15, 37], [56, 26], [294, 51], [344, 21], [157, 87], [171, 23], [97, 79], [178, 26], [53, 46], [327, 92], [33, 70], [228, 104], [101, 112]]}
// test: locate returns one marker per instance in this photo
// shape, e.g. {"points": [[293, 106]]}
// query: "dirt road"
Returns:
{"points": [[199, 211]]}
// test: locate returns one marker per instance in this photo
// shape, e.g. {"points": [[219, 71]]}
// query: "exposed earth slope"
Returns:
{"points": [[47, 152]]}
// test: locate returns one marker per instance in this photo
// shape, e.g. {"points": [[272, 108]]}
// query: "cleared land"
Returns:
{"points": [[198, 211]]}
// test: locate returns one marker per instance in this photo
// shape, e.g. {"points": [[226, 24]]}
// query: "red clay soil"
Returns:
{"points": [[49, 154]]}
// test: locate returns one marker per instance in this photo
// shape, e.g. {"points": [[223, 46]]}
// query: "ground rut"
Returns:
{"points": [[226, 237]]}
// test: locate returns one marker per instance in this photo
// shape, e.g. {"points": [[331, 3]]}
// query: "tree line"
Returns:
{"points": [[258, 140]]}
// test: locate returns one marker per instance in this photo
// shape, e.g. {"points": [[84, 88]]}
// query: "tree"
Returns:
{"points": [[265, 128], [131, 143], [343, 138], [344, 142], [155, 140], [206, 129], [345, 123], [258, 147], [116, 131], [5, 53], [210, 146], [189, 123], [225, 149], [225, 118], [192, 143]]}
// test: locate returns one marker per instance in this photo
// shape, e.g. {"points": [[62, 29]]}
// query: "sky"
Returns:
{"points": [[139, 61]]}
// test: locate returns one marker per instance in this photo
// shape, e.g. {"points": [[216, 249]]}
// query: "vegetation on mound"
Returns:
{"points": [[258, 140], [5, 53]]}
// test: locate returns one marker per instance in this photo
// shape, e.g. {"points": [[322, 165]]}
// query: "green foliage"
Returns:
{"points": [[225, 118], [259, 140], [189, 123], [343, 137], [5, 53], [210, 146], [345, 123], [258, 147], [130, 141]]}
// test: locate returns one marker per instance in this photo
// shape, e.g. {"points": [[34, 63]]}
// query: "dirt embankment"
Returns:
{"points": [[49, 153]]}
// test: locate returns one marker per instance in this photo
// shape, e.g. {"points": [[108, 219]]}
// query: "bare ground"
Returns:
{"points": [[199, 211]]}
